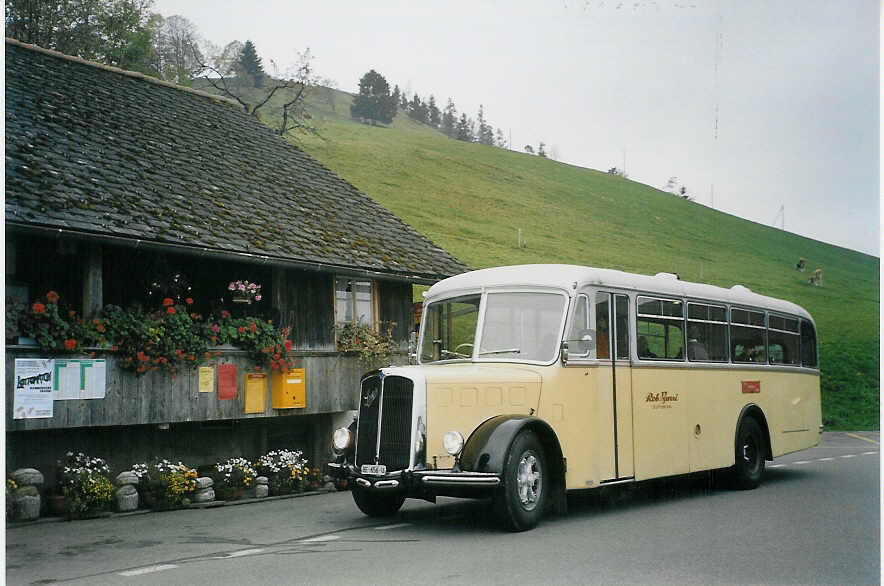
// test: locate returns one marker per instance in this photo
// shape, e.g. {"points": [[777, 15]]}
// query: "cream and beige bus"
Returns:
{"points": [[538, 379]]}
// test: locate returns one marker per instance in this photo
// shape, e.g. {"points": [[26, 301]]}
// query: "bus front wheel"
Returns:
{"points": [[375, 504], [521, 500], [748, 455]]}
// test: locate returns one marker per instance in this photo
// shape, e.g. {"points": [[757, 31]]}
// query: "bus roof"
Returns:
{"points": [[569, 277]]}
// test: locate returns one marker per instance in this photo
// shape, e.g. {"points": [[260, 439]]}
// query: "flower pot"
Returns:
{"points": [[246, 301]]}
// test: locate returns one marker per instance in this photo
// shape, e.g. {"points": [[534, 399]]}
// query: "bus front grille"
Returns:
{"points": [[385, 403]]}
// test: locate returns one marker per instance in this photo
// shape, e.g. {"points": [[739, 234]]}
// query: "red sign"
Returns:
{"points": [[226, 381], [751, 386]]}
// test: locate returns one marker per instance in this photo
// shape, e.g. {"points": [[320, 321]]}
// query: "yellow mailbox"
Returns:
{"points": [[256, 392], [289, 389]]}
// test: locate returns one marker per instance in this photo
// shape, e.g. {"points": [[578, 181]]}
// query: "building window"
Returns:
{"points": [[354, 301]]}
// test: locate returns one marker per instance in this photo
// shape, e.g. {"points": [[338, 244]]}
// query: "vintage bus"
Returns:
{"points": [[537, 379]]}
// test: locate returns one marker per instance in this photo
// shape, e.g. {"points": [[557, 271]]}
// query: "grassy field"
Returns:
{"points": [[471, 199]]}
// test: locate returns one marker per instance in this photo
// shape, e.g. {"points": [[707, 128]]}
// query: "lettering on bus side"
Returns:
{"points": [[661, 400]]}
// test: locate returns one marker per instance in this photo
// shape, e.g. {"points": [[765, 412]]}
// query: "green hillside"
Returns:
{"points": [[471, 199]]}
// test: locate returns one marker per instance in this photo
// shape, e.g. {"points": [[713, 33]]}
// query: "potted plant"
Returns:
{"points": [[164, 485], [244, 292], [86, 486], [284, 470], [375, 347], [232, 478]]}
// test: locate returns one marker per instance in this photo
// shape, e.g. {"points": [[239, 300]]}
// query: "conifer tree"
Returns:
{"points": [[500, 139], [449, 120], [396, 95], [417, 110], [485, 135], [465, 129], [434, 117], [251, 63], [373, 101], [541, 151]]}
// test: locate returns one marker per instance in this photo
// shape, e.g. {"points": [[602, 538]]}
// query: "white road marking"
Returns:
{"points": [[148, 570], [236, 554], [396, 526], [777, 466], [869, 453], [849, 456], [802, 462], [825, 459], [321, 538]]}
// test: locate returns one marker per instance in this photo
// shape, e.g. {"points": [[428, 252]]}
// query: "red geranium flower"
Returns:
{"points": [[288, 345], [168, 301], [253, 327], [241, 330], [189, 301], [52, 297], [70, 344], [225, 314], [215, 328], [170, 310], [39, 308]]}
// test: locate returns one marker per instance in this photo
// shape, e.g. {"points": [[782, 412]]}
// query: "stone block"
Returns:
{"points": [[25, 491], [204, 482], [126, 478], [26, 507], [28, 477], [204, 496], [262, 480], [261, 491], [127, 502], [125, 490]]}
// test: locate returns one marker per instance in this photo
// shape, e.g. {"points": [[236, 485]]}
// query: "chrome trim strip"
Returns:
{"points": [[477, 478], [772, 368], [386, 484], [616, 481], [363, 482]]}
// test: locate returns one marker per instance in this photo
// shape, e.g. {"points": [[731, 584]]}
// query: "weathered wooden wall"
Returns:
{"points": [[332, 386]]}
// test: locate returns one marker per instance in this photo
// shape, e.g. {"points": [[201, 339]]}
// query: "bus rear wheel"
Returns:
{"points": [[748, 455], [521, 500]]}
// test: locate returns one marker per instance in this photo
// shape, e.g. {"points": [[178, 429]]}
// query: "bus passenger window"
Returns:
{"points": [[782, 334], [661, 323], [747, 336], [808, 344], [707, 333], [602, 329]]}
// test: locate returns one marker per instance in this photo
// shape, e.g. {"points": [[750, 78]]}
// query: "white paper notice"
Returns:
{"points": [[32, 398]]}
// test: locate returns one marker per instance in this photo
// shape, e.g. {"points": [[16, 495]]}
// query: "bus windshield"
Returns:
{"points": [[516, 326]]}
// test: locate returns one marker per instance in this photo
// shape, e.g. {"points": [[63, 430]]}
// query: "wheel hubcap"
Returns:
{"points": [[749, 451], [529, 481]]}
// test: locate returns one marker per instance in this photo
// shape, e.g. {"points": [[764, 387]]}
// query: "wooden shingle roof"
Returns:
{"points": [[97, 151]]}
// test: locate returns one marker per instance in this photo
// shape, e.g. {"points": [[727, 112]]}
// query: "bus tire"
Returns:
{"points": [[748, 455], [520, 502], [376, 504]]}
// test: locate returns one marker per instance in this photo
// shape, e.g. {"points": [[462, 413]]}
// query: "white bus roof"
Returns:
{"points": [[565, 277]]}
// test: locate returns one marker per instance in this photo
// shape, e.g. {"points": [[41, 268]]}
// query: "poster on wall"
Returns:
{"points": [[32, 397], [226, 381], [206, 379], [79, 379]]}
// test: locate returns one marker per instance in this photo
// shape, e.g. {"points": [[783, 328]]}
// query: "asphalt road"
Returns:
{"points": [[814, 520]]}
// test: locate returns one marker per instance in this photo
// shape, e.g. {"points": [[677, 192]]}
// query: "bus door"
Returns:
{"points": [[615, 378]]}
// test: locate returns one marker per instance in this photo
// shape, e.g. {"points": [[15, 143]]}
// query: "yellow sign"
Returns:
{"points": [[256, 392], [207, 379]]}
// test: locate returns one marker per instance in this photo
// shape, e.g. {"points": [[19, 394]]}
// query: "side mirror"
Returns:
{"points": [[564, 352]]}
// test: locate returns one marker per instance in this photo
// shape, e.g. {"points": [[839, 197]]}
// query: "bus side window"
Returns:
{"points": [[580, 337], [808, 344], [602, 324]]}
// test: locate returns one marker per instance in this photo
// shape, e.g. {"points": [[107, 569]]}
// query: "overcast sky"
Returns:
{"points": [[752, 104]]}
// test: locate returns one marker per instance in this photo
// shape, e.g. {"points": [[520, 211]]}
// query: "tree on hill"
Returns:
{"points": [[529, 149], [500, 139], [485, 134], [541, 150], [465, 129], [434, 116], [449, 120], [396, 95], [251, 64], [417, 110], [373, 102], [176, 57]]}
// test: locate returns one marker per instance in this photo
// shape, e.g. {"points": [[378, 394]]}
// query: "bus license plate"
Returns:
{"points": [[374, 469]]}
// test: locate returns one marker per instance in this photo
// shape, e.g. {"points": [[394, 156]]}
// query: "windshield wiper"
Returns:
{"points": [[503, 351]]}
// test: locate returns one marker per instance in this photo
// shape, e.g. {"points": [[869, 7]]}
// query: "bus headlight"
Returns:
{"points": [[341, 440], [452, 442]]}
